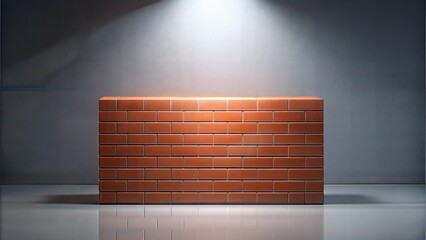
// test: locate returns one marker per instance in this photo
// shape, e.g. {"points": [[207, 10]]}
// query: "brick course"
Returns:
{"points": [[162, 150]]}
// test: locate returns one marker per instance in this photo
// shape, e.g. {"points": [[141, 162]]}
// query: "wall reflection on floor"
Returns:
{"points": [[210, 222]]}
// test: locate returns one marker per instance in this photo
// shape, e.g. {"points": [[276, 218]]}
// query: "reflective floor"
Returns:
{"points": [[351, 212]]}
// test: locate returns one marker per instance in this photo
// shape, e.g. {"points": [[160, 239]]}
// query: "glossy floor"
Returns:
{"points": [[351, 212]]}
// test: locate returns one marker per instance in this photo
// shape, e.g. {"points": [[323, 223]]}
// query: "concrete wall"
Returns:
{"points": [[364, 57], [1, 108]]}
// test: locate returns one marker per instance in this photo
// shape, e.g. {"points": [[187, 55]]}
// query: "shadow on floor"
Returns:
{"points": [[348, 199], [71, 199], [93, 199]]}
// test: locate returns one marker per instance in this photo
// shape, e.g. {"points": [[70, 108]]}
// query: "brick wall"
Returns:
{"points": [[211, 150]]}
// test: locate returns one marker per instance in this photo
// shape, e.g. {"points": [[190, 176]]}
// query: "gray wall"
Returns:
{"points": [[1, 108], [364, 57]]}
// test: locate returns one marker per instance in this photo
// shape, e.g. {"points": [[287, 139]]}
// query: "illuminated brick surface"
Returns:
{"points": [[211, 150]]}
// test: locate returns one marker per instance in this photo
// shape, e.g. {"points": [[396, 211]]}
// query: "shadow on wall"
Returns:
{"points": [[50, 25], [357, 30]]}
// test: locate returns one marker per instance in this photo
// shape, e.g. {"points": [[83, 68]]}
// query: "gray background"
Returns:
{"points": [[364, 57]]}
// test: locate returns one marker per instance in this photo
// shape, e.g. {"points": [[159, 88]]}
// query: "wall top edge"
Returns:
{"points": [[210, 98]]}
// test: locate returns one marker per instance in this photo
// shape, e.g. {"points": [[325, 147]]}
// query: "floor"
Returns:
{"points": [[351, 212]]}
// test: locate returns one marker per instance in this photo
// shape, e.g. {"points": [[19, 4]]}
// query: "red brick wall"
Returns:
{"points": [[211, 150]]}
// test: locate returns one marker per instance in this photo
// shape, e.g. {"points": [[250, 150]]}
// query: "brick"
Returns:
{"points": [[129, 104], [130, 197], [170, 116], [236, 116], [227, 162], [170, 139], [198, 139], [142, 139], [242, 150], [157, 173], [130, 173], [273, 127], [257, 116], [269, 197], [112, 162], [289, 162], [198, 116], [108, 104], [206, 197], [297, 174], [198, 162], [207, 150], [306, 151], [303, 104], [314, 162], [242, 173], [127, 150], [314, 139], [287, 186], [243, 197], [314, 186], [242, 127], [258, 138], [107, 174], [228, 139], [314, 197], [314, 116], [212, 174], [157, 197], [272, 174], [212, 128], [212, 104], [157, 127], [306, 173], [157, 150], [141, 162], [220, 185], [289, 116], [157, 104], [184, 197], [184, 150], [306, 128], [296, 197], [198, 185], [112, 116], [272, 104], [179, 104], [107, 127], [173, 185], [170, 162], [145, 116], [112, 185], [184, 127], [273, 151], [107, 150], [242, 104], [131, 127], [185, 174], [257, 162], [258, 186], [289, 139], [141, 185], [107, 197]]}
